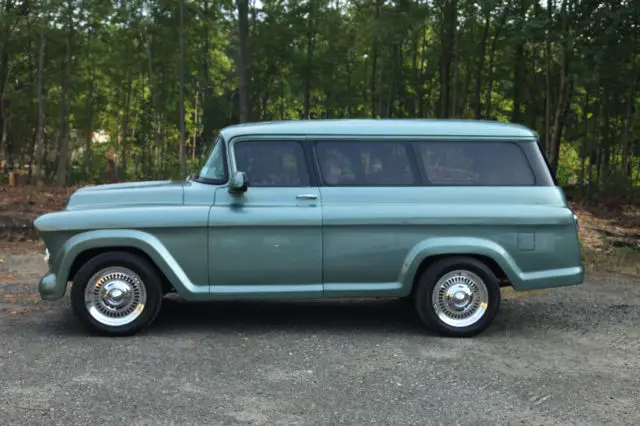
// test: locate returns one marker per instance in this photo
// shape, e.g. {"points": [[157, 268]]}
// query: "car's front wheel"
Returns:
{"points": [[458, 296], [116, 293]]}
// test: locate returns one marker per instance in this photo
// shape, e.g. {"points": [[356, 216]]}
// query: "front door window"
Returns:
{"points": [[272, 163]]}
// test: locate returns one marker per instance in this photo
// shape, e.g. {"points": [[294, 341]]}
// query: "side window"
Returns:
{"points": [[272, 163], [475, 163], [365, 164], [214, 168]]}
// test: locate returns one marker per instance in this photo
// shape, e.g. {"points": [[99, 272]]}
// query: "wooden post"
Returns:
{"points": [[12, 179]]}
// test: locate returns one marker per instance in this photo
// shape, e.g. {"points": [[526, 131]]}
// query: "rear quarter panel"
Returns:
{"points": [[379, 236]]}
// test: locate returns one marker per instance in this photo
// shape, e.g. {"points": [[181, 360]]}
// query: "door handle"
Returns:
{"points": [[307, 197]]}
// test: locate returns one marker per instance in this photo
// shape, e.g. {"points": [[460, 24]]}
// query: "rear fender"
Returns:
{"points": [[457, 246]]}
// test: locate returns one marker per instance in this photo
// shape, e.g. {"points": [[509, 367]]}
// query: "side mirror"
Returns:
{"points": [[238, 183]]}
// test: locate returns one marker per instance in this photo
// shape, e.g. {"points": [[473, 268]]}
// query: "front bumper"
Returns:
{"points": [[49, 287]]}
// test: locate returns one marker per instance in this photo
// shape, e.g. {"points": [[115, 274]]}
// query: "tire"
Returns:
{"points": [[135, 294], [472, 281]]}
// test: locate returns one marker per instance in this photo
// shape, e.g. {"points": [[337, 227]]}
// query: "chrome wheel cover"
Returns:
{"points": [[460, 298], [115, 296]]}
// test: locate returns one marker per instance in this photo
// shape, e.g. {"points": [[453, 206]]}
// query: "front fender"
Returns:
{"points": [[53, 285], [457, 245]]}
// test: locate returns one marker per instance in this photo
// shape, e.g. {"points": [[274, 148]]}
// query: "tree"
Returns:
{"points": [[141, 77]]}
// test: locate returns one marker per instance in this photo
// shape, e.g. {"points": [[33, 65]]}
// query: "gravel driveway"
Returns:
{"points": [[564, 356]]}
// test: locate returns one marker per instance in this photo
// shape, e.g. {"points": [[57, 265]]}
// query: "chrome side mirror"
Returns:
{"points": [[238, 183]]}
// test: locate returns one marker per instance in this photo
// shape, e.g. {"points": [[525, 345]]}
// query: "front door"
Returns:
{"points": [[267, 242]]}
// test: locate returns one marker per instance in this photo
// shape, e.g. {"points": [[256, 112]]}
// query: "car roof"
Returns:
{"points": [[382, 127]]}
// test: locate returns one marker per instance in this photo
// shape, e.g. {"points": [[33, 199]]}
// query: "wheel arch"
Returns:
{"points": [[487, 260], [84, 256], [426, 253], [81, 247]]}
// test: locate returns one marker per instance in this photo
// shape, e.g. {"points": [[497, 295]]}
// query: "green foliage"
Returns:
{"points": [[317, 59], [569, 166]]}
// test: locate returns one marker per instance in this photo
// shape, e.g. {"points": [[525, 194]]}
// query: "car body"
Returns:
{"points": [[324, 209]]}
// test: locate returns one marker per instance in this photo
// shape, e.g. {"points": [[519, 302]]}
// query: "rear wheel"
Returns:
{"points": [[458, 296], [116, 294]]}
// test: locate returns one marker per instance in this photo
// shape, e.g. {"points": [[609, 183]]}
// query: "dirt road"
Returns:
{"points": [[565, 356]]}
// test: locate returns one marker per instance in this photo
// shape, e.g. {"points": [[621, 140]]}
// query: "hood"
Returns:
{"points": [[127, 194]]}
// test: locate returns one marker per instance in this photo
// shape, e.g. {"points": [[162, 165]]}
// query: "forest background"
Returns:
{"points": [[97, 90]]}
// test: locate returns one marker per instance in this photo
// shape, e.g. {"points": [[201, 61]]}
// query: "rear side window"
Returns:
{"points": [[272, 163], [474, 163], [361, 163]]}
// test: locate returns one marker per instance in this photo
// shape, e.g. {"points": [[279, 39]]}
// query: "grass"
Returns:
{"points": [[621, 260], [508, 293], [599, 254]]}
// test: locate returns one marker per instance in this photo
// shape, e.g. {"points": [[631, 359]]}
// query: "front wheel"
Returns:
{"points": [[458, 296], [116, 294]]}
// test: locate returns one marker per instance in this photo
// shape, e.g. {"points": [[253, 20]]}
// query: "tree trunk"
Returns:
{"points": [[547, 114], [454, 83], [40, 132], [3, 138], [183, 134], [564, 99], [583, 150], [89, 130], [63, 154], [374, 62], [492, 57], [380, 97], [311, 41], [400, 100], [420, 83], [480, 69], [46, 165], [467, 85], [447, 39], [207, 110], [347, 103], [125, 126], [243, 26], [372, 84], [394, 71], [163, 149], [413, 108], [195, 122], [4, 110], [34, 140], [154, 103], [593, 141], [604, 145], [627, 153], [518, 65], [5, 70]]}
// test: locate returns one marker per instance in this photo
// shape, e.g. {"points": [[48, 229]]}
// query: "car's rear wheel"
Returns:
{"points": [[116, 293], [458, 296]]}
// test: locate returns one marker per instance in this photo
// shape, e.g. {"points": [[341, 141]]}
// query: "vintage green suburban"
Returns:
{"points": [[442, 213]]}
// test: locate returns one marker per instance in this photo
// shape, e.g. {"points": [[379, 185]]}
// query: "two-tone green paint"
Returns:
{"points": [[331, 242]]}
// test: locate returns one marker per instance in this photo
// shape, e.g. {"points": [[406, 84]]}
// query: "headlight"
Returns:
{"points": [[46, 255]]}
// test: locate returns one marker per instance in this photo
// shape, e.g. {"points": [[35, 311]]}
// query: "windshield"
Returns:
{"points": [[214, 169]]}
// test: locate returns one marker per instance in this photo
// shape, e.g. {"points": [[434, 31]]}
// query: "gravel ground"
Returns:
{"points": [[564, 356]]}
